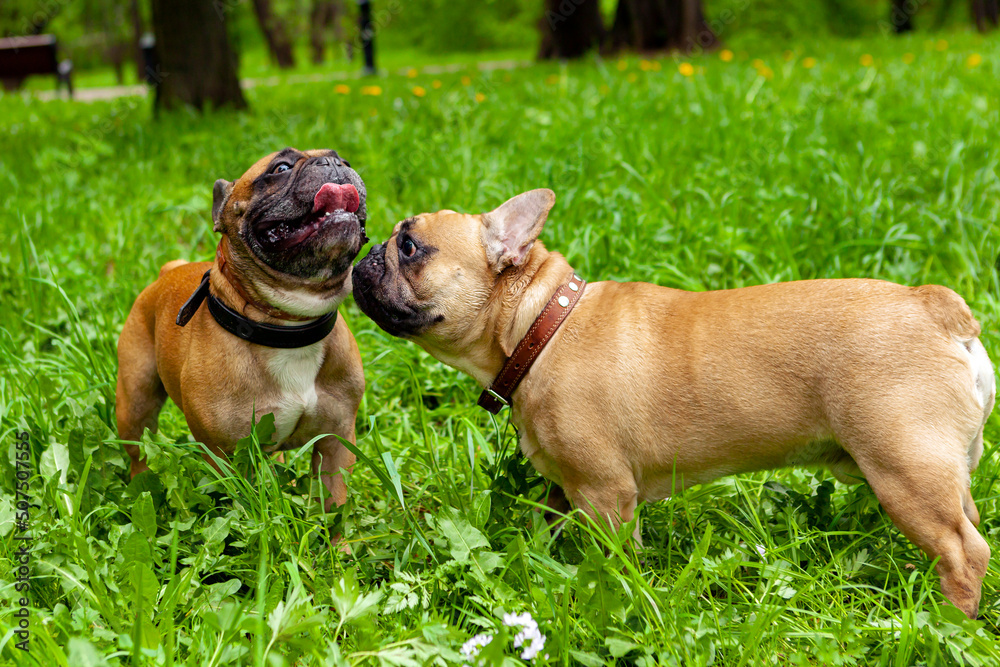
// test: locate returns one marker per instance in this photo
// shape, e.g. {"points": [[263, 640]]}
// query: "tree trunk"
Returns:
{"points": [[661, 25], [901, 15], [985, 14], [275, 34], [366, 32], [137, 30], [198, 65], [570, 28], [324, 16]]}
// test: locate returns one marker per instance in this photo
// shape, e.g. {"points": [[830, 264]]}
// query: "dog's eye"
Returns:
{"points": [[408, 247], [280, 168]]}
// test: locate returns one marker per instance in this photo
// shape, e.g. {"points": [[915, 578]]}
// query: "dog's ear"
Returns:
{"points": [[220, 193], [510, 230]]}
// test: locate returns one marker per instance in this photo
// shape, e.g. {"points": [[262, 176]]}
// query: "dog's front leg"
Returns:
{"points": [[328, 457], [613, 501]]}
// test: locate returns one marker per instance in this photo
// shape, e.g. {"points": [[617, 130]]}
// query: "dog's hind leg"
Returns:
{"points": [[925, 491], [140, 394]]}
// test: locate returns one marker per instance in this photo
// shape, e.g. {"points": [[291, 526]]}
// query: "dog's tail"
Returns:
{"points": [[171, 265], [950, 311]]}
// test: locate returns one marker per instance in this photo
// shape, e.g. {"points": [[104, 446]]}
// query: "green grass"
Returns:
{"points": [[721, 179]]}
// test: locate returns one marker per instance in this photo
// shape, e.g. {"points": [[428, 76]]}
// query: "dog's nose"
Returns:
{"points": [[329, 161]]}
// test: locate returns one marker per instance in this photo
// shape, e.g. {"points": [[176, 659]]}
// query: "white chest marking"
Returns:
{"points": [[294, 372]]}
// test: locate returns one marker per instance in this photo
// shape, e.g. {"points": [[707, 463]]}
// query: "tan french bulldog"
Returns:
{"points": [[644, 390], [269, 339]]}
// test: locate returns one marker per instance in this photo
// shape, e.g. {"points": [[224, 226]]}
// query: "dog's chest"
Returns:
{"points": [[294, 373]]}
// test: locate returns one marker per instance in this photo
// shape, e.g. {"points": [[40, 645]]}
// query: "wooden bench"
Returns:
{"points": [[20, 57]]}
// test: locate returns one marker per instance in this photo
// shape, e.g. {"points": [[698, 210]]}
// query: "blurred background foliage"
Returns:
{"points": [[96, 33]]}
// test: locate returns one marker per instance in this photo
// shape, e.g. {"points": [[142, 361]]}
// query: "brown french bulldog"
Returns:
{"points": [[644, 390], [269, 339]]}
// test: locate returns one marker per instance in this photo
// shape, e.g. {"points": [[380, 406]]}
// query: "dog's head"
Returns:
{"points": [[299, 215], [433, 278]]}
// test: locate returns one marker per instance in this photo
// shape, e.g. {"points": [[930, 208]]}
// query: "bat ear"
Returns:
{"points": [[510, 230], [220, 195]]}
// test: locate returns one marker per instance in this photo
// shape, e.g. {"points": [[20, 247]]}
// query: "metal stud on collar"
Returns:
{"points": [[564, 301]]}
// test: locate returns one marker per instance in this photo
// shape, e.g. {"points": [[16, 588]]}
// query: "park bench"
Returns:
{"points": [[20, 57]]}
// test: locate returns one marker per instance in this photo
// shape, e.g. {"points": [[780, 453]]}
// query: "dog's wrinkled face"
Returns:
{"points": [[431, 280], [300, 213]]}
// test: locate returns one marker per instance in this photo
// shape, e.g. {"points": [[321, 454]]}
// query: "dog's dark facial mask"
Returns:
{"points": [[301, 213], [385, 294], [437, 273]]}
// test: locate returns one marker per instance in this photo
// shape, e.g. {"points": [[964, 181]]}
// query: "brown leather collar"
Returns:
{"points": [[222, 261], [541, 331]]}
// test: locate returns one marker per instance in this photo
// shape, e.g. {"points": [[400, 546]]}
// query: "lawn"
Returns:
{"points": [[837, 159]]}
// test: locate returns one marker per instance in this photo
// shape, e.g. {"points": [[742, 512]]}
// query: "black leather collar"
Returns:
{"points": [[259, 333]]}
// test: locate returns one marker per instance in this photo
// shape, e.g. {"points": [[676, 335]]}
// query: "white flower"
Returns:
{"points": [[470, 649], [761, 550], [529, 637]]}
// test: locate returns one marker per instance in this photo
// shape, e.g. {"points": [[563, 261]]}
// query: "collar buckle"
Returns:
{"points": [[497, 397]]}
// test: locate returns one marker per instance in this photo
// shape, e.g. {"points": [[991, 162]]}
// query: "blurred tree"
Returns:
{"points": [[985, 14], [279, 44], [657, 25], [138, 29], [570, 28], [901, 15], [198, 63], [366, 32], [325, 17], [108, 29]]}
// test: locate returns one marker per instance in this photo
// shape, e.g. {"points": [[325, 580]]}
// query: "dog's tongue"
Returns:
{"points": [[333, 196]]}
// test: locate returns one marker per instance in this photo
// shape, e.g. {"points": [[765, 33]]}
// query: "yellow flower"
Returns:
{"points": [[466, 81], [435, 84], [645, 65], [480, 97], [725, 55], [552, 79], [766, 72], [757, 63], [942, 45], [622, 65], [867, 60], [908, 58], [419, 91], [809, 62], [412, 73], [632, 77], [974, 60], [371, 90], [341, 89], [686, 69]]}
